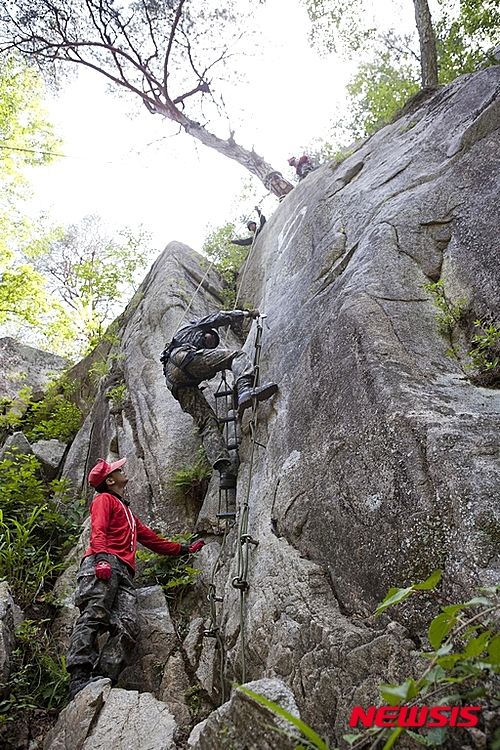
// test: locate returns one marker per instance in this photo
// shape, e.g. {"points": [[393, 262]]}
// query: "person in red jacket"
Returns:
{"points": [[302, 166], [105, 594]]}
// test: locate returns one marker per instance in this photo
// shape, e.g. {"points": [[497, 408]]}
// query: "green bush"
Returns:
{"points": [[174, 574], [463, 664], [38, 524], [38, 681], [53, 416]]}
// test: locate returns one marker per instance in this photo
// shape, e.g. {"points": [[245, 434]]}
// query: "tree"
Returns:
{"points": [[391, 71], [378, 90], [165, 52], [346, 20], [27, 139], [89, 274]]}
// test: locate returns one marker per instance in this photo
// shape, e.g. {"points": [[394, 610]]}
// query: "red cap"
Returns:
{"points": [[102, 470]]}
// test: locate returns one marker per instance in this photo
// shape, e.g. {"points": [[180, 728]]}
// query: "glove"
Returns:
{"points": [[196, 546], [103, 570], [252, 314]]}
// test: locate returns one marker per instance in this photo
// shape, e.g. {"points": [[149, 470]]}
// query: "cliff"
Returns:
{"points": [[377, 461]]}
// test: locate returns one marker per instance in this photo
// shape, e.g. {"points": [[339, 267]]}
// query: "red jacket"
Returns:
{"points": [[116, 530]]}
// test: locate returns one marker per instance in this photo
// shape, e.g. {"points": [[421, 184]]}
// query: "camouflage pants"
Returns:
{"points": [[205, 364], [105, 606]]}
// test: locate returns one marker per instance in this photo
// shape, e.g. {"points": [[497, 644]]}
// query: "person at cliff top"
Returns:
{"points": [[194, 355], [105, 594], [252, 227], [302, 166]]}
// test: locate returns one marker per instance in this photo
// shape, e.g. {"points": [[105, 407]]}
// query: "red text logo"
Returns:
{"points": [[415, 716]]}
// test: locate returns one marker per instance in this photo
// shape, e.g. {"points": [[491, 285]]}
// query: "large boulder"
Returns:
{"points": [[243, 722], [100, 718], [50, 453], [24, 366]]}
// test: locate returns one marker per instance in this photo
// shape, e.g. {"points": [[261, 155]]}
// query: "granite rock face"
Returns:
{"points": [[100, 718], [241, 722], [378, 459], [22, 365]]}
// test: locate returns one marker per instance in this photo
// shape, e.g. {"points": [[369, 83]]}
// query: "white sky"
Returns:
{"points": [[178, 187]]}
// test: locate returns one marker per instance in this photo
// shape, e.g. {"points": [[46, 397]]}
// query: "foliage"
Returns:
{"points": [[91, 274], [463, 660], [117, 395], [485, 341], [451, 313], [390, 71], [52, 416], [28, 140], [465, 38], [378, 90], [339, 26], [226, 258], [192, 480], [173, 574], [38, 524], [485, 353], [463, 665], [38, 680], [450, 317]]}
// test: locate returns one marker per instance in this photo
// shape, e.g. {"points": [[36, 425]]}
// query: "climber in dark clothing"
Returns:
{"points": [[105, 593], [194, 355], [252, 227]]}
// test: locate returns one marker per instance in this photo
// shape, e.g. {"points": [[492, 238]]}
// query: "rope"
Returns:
{"points": [[179, 324]]}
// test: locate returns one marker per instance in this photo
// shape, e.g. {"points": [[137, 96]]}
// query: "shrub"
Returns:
{"points": [[192, 481], [53, 416], [173, 574], [37, 685], [38, 524]]}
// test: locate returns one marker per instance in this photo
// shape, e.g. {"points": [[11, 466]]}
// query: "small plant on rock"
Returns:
{"points": [[192, 480], [174, 574]]}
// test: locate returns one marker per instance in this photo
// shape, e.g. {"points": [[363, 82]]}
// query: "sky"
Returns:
{"points": [[135, 171]]}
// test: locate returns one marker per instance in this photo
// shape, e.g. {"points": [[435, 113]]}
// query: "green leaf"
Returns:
{"points": [[494, 650], [395, 694], [440, 627], [393, 737], [430, 583], [476, 646], [437, 735], [448, 662], [393, 596]]}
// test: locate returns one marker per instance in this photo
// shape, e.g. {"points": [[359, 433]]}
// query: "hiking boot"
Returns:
{"points": [[227, 480], [261, 393]]}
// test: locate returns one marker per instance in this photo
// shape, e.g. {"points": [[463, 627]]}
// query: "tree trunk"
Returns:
{"points": [[272, 179], [428, 54]]}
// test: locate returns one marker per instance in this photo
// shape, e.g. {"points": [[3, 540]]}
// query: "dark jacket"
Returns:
{"points": [[249, 240]]}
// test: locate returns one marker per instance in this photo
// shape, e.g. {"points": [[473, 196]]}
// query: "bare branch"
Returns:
{"points": [[170, 43]]}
